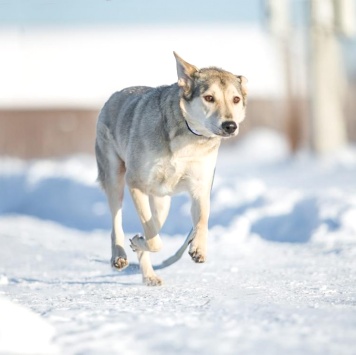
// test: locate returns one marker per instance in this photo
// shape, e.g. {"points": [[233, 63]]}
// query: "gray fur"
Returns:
{"points": [[143, 140]]}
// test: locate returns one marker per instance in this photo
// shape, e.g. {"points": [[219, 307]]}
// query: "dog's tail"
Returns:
{"points": [[174, 258]]}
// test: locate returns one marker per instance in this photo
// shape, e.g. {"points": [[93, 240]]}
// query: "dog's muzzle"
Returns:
{"points": [[229, 127]]}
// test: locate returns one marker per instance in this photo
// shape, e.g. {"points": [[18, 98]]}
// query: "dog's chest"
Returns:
{"points": [[167, 176], [176, 173]]}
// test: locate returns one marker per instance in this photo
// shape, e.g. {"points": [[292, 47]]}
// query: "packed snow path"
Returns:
{"points": [[280, 275]]}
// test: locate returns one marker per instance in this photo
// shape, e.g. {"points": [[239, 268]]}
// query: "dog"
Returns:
{"points": [[163, 141]]}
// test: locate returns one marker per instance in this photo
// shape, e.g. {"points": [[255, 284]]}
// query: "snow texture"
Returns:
{"points": [[280, 276]]}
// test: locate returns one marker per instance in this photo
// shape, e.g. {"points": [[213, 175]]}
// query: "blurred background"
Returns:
{"points": [[61, 60]]}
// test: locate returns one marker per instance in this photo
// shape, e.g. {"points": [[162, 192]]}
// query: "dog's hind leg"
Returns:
{"points": [[114, 189], [115, 196], [112, 178]]}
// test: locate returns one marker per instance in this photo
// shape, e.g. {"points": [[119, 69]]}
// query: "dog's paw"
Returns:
{"points": [[152, 281], [197, 254], [119, 263], [138, 243]]}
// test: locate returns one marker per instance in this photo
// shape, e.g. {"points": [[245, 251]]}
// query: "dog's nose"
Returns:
{"points": [[229, 126]]}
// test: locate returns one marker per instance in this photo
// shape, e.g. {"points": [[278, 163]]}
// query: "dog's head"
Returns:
{"points": [[213, 100]]}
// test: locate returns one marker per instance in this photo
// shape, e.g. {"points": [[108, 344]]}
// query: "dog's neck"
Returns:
{"points": [[195, 132], [203, 132]]}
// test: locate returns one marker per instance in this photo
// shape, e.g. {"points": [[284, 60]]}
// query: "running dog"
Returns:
{"points": [[163, 141]]}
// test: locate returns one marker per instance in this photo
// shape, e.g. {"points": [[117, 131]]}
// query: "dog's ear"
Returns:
{"points": [[185, 73], [243, 82]]}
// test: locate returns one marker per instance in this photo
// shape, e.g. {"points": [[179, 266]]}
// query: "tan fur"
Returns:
{"points": [[163, 141]]}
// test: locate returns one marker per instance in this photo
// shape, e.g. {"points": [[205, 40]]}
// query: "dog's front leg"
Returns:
{"points": [[151, 242], [200, 214]]}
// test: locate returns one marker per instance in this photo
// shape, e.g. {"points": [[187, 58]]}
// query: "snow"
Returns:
{"points": [[22, 331], [280, 275]]}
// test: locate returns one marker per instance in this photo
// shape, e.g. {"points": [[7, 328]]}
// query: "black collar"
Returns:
{"points": [[192, 130]]}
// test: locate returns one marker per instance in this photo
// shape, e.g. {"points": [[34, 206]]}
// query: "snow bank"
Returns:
{"points": [[23, 332], [283, 199]]}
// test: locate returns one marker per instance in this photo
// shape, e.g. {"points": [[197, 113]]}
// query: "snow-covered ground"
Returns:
{"points": [[280, 276]]}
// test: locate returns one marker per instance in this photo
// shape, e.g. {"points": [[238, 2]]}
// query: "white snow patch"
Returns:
{"points": [[3, 280], [23, 331]]}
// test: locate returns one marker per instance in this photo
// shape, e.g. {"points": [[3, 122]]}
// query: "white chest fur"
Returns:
{"points": [[184, 170]]}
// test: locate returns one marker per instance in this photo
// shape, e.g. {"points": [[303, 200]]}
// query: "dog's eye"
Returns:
{"points": [[208, 98], [236, 100]]}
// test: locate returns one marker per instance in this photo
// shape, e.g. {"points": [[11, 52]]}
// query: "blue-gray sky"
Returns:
{"points": [[109, 12]]}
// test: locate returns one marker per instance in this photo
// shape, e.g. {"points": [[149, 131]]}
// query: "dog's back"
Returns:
{"points": [[119, 106], [139, 119]]}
